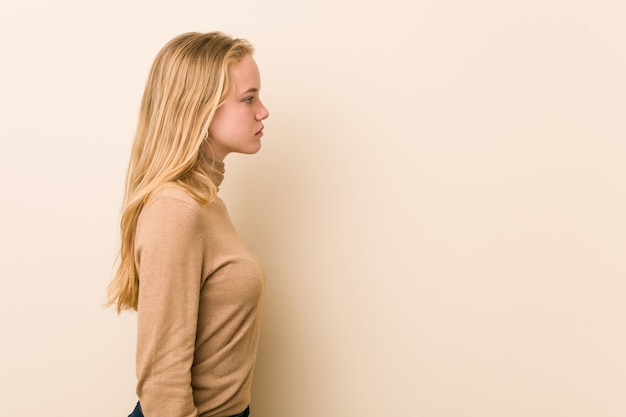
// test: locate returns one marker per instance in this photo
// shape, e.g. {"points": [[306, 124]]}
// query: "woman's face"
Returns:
{"points": [[238, 123]]}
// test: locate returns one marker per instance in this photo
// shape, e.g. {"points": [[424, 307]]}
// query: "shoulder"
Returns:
{"points": [[172, 194], [170, 210]]}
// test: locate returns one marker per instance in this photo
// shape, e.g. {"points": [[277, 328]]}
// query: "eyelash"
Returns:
{"points": [[249, 100]]}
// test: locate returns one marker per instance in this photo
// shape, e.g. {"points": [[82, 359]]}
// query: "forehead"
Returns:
{"points": [[245, 74]]}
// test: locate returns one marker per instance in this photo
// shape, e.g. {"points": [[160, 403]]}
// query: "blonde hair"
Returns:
{"points": [[188, 81]]}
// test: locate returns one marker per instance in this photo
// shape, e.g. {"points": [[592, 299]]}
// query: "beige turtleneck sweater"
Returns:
{"points": [[199, 303]]}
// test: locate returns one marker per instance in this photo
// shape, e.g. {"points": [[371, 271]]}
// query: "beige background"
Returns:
{"points": [[439, 203]]}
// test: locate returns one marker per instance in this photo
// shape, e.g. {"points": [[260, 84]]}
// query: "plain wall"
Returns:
{"points": [[439, 203]]}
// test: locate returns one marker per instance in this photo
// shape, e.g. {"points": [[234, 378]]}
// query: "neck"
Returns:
{"points": [[216, 171]]}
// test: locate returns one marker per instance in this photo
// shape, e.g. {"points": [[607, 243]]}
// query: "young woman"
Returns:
{"points": [[195, 286]]}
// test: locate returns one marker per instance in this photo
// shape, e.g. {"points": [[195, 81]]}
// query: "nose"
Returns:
{"points": [[263, 113]]}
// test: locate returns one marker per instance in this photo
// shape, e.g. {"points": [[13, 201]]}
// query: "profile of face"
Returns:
{"points": [[238, 123]]}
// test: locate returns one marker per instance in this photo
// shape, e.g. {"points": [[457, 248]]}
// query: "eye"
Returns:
{"points": [[249, 100]]}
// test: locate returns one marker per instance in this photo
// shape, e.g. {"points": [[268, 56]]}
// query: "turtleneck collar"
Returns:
{"points": [[216, 172]]}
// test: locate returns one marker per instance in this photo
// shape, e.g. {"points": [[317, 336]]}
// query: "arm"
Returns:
{"points": [[168, 250]]}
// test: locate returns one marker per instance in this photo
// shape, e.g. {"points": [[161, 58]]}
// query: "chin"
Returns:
{"points": [[254, 149]]}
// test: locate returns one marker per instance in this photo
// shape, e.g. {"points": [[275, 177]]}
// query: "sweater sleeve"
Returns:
{"points": [[168, 251]]}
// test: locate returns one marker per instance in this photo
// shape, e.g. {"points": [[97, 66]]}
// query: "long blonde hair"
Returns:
{"points": [[188, 81]]}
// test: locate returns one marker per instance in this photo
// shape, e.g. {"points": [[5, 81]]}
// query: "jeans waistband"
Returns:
{"points": [[138, 413], [245, 413]]}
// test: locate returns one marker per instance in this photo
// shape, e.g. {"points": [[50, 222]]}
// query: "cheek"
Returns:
{"points": [[231, 120], [221, 122]]}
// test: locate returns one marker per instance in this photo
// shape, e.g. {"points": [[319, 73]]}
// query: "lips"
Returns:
{"points": [[260, 132]]}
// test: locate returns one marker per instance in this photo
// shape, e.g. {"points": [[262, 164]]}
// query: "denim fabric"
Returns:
{"points": [[137, 412]]}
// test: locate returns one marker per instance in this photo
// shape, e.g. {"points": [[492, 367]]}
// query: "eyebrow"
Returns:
{"points": [[250, 90]]}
